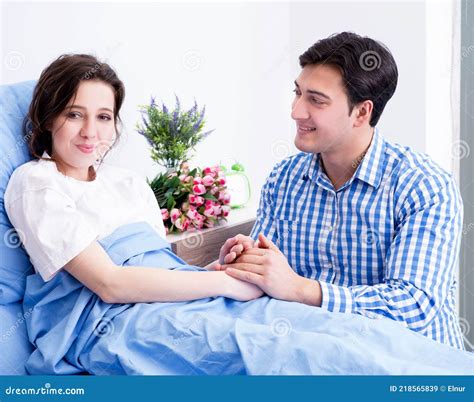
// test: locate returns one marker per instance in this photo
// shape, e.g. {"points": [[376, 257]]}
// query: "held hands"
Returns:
{"points": [[265, 266], [232, 249]]}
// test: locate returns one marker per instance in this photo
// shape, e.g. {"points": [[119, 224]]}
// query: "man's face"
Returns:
{"points": [[321, 110]]}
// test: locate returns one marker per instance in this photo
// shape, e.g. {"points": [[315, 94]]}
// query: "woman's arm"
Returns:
{"points": [[114, 284]]}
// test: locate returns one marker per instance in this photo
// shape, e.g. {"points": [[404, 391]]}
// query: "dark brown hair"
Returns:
{"points": [[56, 86], [368, 69]]}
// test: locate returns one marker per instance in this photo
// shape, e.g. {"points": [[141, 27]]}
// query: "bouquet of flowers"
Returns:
{"points": [[172, 134], [192, 199]]}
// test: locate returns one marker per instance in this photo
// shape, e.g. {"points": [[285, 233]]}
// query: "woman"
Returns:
{"points": [[98, 301], [64, 201]]}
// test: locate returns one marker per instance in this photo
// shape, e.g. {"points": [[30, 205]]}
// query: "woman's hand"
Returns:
{"points": [[240, 290], [233, 248]]}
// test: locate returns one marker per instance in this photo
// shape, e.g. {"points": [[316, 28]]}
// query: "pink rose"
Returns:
{"points": [[199, 189], [197, 180], [196, 199], [208, 180], [175, 214], [209, 211], [165, 214], [222, 181], [225, 210], [182, 223], [184, 167], [192, 213], [210, 171], [225, 198]]}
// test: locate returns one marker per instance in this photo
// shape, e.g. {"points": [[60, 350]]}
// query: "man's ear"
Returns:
{"points": [[363, 113]]}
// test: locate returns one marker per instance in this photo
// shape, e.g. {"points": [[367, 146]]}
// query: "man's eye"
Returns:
{"points": [[297, 92], [316, 101]]}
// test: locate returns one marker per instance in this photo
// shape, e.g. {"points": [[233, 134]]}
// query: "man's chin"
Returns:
{"points": [[303, 146]]}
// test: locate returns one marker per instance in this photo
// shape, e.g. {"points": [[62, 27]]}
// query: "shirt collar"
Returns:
{"points": [[369, 170]]}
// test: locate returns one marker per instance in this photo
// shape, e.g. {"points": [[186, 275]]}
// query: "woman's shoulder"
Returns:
{"points": [[118, 174], [36, 173]]}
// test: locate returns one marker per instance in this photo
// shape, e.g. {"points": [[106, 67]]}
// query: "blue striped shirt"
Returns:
{"points": [[385, 244]]}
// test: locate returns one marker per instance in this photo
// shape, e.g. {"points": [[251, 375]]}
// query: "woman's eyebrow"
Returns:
{"points": [[315, 92], [83, 108]]}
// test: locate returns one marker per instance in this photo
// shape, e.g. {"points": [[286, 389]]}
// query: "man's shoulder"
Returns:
{"points": [[416, 174], [413, 165], [294, 164]]}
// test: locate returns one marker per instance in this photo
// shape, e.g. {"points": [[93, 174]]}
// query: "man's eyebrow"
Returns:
{"points": [[314, 92], [83, 108]]}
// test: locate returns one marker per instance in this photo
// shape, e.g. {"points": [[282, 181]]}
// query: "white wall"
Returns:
{"points": [[240, 59]]}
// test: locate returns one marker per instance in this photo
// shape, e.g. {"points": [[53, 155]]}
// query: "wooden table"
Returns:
{"points": [[202, 247]]}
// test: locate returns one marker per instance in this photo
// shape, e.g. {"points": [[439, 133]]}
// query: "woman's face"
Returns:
{"points": [[85, 129]]}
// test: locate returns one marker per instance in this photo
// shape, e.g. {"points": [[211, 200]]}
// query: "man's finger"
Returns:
{"points": [[264, 242], [256, 251], [249, 259]]}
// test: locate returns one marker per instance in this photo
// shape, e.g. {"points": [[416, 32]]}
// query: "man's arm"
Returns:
{"points": [[419, 266], [420, 263]]}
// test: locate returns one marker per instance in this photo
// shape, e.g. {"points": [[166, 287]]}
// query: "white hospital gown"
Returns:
{"points": [[57, 216]]}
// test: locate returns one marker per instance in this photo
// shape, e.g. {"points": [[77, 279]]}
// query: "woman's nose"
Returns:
{"points": [[299, 110], [89, 129]]}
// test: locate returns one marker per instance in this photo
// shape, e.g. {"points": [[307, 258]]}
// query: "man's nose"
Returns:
{"points": [[299, 110]]}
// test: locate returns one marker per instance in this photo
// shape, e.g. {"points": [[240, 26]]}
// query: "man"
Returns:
{"points": [[354, 223]]}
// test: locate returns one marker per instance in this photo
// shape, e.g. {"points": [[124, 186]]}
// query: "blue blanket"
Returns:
{"points": [[73, 331]]}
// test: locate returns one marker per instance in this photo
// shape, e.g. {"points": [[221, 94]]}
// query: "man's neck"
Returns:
{"points": [[341, 166]]}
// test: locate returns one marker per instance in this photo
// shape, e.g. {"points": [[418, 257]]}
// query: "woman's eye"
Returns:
{"points": [[105, 117], [74, 115]]}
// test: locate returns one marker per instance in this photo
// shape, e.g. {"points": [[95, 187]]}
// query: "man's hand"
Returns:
{"points": [[232, 249], [268, 268]]}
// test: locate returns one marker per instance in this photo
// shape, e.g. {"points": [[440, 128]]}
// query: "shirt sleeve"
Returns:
{"points": [[51, 229], [265, 222], [420, 264]]}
